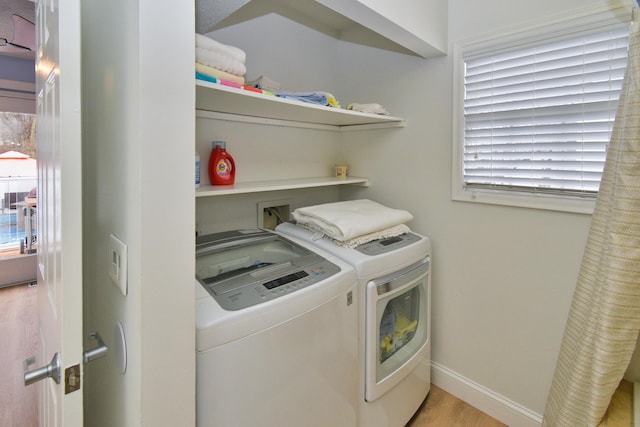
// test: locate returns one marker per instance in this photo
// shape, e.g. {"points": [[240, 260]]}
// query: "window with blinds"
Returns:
{"points": [[538, 118]]}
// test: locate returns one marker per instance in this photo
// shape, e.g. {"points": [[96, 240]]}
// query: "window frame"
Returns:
{"points": [[568, 25]]}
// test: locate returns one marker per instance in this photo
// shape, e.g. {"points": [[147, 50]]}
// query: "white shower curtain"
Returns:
{"points": [[604, 319]]}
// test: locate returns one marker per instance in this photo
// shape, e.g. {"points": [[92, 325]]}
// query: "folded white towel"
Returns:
{"points": [[264, 82], [211, 44], [220, 61], [347, 220], [368, 108]]}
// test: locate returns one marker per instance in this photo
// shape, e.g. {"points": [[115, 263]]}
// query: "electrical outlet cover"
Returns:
{"points": [[118, 263]]}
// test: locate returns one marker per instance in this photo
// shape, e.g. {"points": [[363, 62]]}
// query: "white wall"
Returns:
{"points": [[503, 277], [138, 134]]}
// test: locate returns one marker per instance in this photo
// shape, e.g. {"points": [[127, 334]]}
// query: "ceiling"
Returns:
{"points": [[19, 29]]}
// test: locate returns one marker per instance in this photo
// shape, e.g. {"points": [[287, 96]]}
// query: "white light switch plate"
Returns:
{"points": [[118, 263]]}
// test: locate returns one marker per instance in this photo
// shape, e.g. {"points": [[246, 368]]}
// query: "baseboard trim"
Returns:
{"points": [[489, 402]]}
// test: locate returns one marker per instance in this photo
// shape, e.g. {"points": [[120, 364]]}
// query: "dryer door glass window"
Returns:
{"points": [[399, 322], [402, 329], [397, 327]]}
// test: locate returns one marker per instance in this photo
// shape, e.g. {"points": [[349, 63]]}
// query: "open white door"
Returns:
{"points": [[59, 215]]}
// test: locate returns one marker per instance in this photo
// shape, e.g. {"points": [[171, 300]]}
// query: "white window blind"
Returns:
{"points": [[539, 118]]}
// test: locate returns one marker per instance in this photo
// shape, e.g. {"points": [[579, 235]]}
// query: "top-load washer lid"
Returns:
{"points": [[242, 268]]}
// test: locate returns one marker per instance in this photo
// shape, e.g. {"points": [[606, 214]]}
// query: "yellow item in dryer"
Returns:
{"points": [[386, 344], [404, 326]]}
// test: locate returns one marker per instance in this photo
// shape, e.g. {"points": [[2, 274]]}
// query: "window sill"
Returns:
{"points": [[524, 200]]}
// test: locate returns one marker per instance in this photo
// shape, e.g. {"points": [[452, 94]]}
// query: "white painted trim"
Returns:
{"points": [[568, 23], [478, 396]]}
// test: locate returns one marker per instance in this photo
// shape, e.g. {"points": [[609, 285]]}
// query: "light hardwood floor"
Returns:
{"points": [[620, 412], [442, 409]]}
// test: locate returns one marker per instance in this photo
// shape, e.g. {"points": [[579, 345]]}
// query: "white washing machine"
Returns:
{"points": [[394, 325], [276, 333]]}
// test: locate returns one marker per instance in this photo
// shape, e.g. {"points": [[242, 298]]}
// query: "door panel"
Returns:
{"points": [[59, 269]]}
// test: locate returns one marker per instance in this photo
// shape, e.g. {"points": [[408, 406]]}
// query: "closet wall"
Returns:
{"points": [[138, 168]]}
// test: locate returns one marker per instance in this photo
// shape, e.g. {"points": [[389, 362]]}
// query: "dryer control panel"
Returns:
{"points": [[381, 246]]}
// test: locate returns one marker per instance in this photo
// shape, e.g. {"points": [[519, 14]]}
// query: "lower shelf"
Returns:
{"points": [[284, 184]]}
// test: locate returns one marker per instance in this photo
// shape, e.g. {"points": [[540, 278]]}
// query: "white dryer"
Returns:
{"points": [[276, 333], [394, 325]]}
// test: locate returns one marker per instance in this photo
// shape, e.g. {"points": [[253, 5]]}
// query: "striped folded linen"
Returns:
{"points": [[347, 220], [208, 43], [392, 231]]}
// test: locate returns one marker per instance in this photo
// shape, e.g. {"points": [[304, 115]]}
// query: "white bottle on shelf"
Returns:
{"points": [[197, 170]]}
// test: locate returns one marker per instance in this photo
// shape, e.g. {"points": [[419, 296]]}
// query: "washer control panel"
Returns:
{"points": [[263, 291]]}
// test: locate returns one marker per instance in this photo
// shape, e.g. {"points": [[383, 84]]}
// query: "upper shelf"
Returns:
{"points": [[237, 104]]}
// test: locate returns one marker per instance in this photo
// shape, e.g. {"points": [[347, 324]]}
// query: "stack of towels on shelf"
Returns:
{"points": [[221, 63], [217, 61], [353, 223]]}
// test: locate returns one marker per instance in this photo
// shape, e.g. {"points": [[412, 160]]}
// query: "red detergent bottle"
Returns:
{"points": [[222, 168]]}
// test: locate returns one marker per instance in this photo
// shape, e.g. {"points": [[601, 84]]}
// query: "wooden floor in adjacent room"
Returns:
{"points": [[18, 341]]}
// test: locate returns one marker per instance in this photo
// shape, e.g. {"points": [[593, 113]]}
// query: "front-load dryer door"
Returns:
{"points": [[397, 327]]}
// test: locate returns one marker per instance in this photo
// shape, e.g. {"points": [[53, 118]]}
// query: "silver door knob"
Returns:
{"points": [[52, 370], [96, 352]]}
